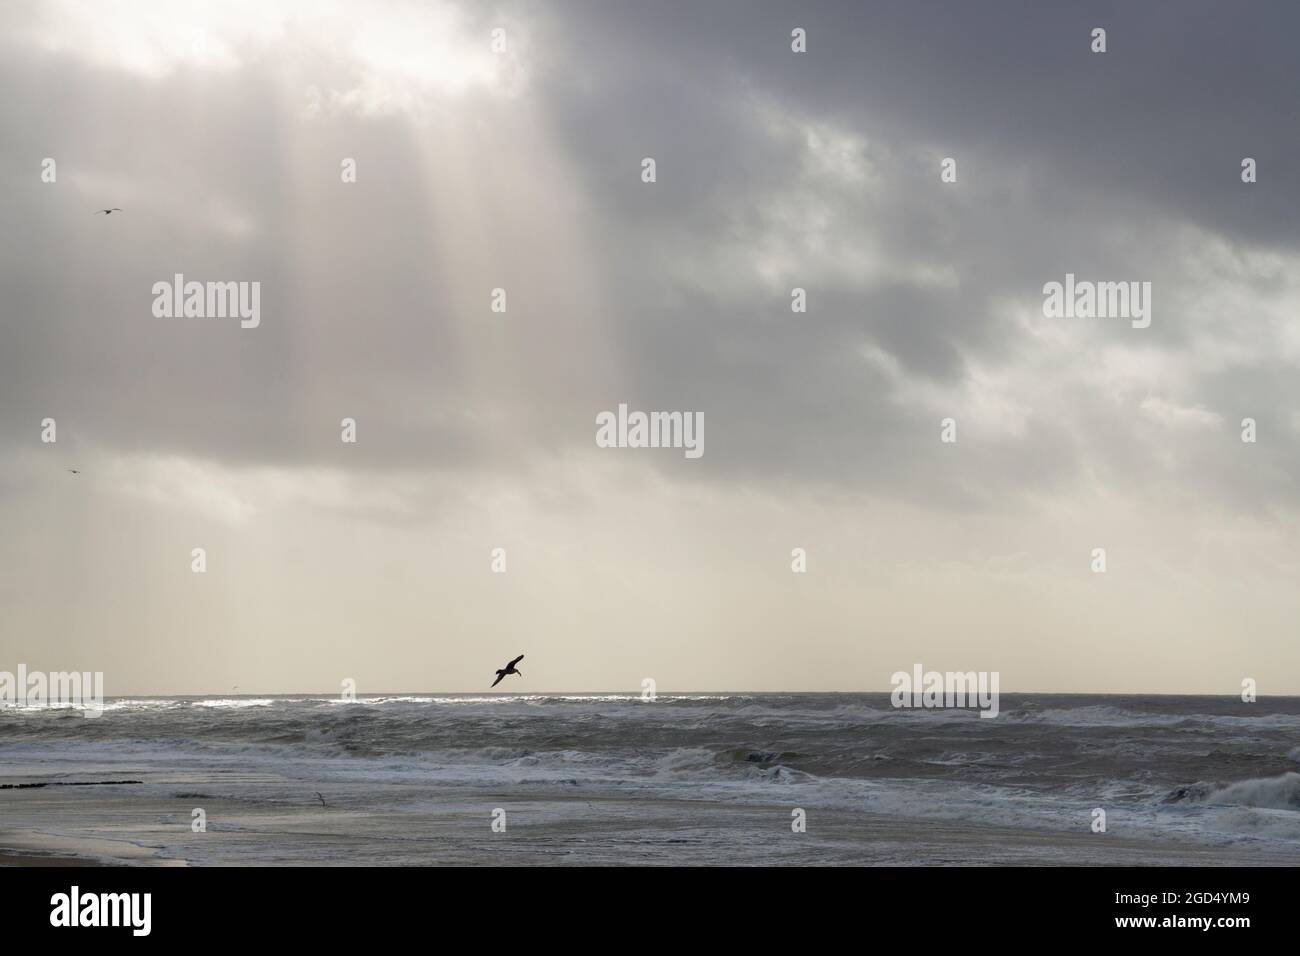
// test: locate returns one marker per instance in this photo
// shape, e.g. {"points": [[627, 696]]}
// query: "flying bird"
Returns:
{"points": [[509, 669], [108, 212], [74, 471]]}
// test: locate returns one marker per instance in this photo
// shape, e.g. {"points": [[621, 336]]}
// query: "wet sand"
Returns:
{"points": [[150, 826], [15, 858], [30, 847]]}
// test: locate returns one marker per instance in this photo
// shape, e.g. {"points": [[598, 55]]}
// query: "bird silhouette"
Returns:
{"points": [[108, 212], [509, 669], [74, 471]]}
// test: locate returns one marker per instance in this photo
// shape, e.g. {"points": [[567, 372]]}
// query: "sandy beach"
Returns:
{"points": [[553, 828]]}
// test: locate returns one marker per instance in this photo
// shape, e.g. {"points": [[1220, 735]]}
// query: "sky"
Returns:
{"points": [[501, 146]]}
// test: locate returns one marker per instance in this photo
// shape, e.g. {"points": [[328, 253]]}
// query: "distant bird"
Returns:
{"points": [[322, 800], [74, 471], [108, 212], [509, 669]]}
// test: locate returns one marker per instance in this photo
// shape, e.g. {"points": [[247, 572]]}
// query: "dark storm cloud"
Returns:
{"points": [[1068, 161], [1184, 91]]}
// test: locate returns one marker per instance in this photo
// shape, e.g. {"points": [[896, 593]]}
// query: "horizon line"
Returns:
{"points": [[662, 693]]}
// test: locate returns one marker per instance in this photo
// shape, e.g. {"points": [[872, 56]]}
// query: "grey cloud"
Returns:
{"points": [[1068, 161]]}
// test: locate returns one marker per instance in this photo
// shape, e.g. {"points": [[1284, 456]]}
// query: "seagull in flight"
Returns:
{"points": [[108, 212], [74, 471], [509, 669]]}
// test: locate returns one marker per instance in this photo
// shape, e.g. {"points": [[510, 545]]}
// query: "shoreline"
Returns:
{"points": [[558, 828], [31, 858], [24, 847]]}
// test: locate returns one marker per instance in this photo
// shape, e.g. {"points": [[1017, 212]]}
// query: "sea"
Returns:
{"points": [[745, 779]]}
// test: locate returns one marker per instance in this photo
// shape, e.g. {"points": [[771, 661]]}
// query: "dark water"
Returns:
{"points": [[1197, 770]]}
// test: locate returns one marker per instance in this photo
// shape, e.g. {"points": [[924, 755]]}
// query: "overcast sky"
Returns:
{"points": [[222, 131]]}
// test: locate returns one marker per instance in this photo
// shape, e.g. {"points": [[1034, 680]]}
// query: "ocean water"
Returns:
{"points": [[699, 778]]}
